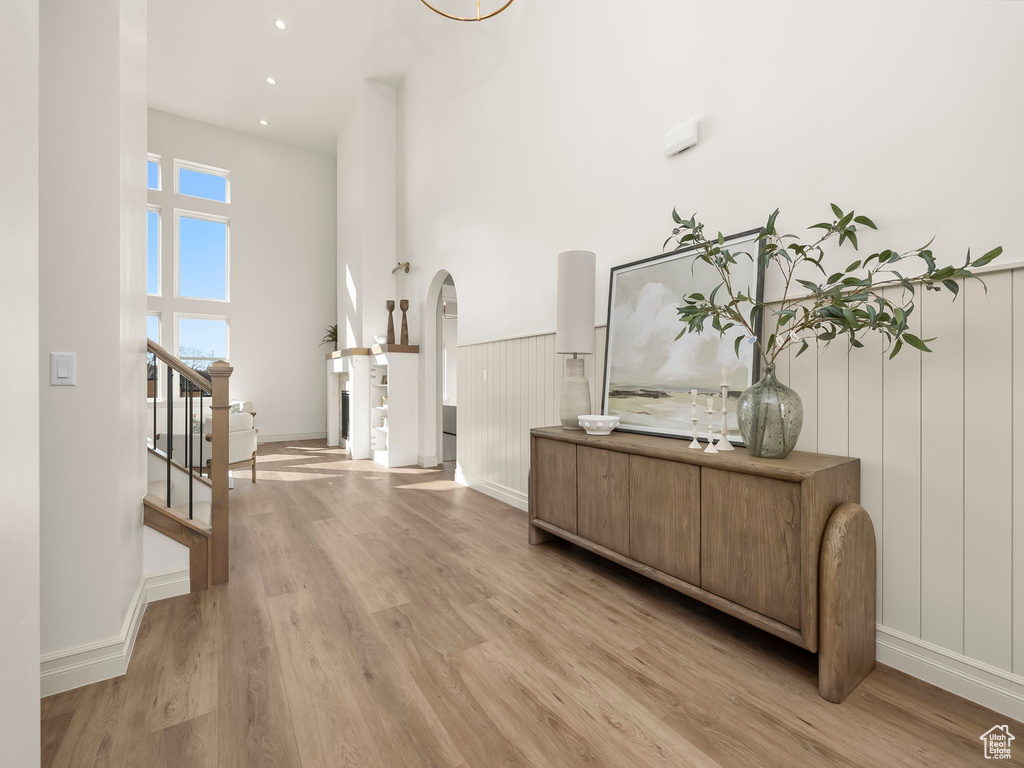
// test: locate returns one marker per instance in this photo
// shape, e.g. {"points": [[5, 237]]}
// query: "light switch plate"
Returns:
{"points": [[62, 369]]}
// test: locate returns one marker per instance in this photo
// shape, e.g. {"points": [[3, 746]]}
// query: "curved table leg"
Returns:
{"points": [[846, 630]]}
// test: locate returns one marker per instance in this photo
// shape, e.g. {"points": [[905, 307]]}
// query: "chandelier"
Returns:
{"points": [[479, 16]]}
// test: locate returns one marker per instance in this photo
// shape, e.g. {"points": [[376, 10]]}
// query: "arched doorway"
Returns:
{"points": [[447, 369], [439, 356]]}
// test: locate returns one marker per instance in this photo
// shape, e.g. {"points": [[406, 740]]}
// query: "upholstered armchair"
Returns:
{"points": [[241, 437]]}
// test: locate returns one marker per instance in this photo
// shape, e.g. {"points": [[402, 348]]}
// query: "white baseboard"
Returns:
{"points": [[427, 462], [982, 683], [510, 496], [286, 438], [75, 667], [160, 586]]}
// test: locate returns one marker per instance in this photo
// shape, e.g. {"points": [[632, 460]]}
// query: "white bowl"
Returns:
{"points": [[599, 425]]}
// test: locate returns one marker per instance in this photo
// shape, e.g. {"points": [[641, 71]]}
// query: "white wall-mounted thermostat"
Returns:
{"points": [[62, 369], [681, 137]]}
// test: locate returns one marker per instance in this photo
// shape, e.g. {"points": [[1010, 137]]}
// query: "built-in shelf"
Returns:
{"points": [[392, 392]]}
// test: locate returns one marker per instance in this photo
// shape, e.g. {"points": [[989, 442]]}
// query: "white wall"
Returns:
{"points": [[367, 217], [19, 442], [92, 301], [282, 250], [543, 131]]}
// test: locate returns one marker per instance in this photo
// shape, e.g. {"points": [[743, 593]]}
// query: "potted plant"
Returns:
{"points": [[846, 304], [331, 336]]}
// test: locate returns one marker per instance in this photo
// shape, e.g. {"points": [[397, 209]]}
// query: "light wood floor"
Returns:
{"points": [[390, 619]]}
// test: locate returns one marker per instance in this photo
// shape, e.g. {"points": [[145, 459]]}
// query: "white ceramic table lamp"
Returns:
{"points": [[575, 334]]}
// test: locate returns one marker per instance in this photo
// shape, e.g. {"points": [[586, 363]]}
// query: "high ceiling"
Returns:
{"points": [[209, 59]]}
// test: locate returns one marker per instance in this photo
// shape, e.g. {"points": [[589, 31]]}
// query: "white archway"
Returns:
{"points": [[431, 450]]}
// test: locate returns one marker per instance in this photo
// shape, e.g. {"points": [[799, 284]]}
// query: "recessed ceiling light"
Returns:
{"points": [[271, 81], [264, 122], [280, 24]]}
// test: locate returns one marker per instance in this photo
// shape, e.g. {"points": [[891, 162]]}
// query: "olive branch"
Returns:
{"points": [[847, 304]]}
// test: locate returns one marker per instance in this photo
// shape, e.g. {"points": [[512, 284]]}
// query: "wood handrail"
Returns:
{"points": [[197, 378], [215, 382]]}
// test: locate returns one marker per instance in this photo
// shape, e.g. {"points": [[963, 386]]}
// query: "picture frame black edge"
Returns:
{"points": [[758, 326]]}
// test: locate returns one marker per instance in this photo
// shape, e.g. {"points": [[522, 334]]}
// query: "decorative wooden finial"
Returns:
{"points": [[390, 306], [404, 306]]}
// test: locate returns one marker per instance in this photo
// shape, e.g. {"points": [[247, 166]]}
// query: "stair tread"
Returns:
{"points": [[200, 509]]}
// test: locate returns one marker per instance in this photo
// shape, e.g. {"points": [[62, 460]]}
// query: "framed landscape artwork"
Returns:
{"points": [[648, 371]]}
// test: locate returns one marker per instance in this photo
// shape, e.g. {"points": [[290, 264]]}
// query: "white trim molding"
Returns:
{"points": [[503, 493], [261, 438], [991, 687], [427, 462], [165, 584], [75, 667]]}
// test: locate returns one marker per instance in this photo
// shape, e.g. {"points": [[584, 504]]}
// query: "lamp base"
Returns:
{"points": [[575, 394]]}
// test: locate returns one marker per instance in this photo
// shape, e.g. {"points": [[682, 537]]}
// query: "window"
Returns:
{"points": [[202, 340], [153, 334], [202, 242], [153, 251], [203, 181], [153, 172]]}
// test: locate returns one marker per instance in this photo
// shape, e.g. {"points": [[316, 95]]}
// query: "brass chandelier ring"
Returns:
{"points": [[478, 16]]}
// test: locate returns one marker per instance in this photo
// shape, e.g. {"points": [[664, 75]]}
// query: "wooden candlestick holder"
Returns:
{"points": [[390, 306]]}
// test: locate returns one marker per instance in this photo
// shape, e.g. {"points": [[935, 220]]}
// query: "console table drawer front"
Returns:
{"points": [[603, 492], [664, 516], [750, 542], [553, 470]]}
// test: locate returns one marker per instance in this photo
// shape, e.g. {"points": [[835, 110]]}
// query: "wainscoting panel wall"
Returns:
{"points": [[941, 440]]}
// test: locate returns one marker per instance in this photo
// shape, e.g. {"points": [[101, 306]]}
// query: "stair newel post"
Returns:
{"points": [[220, 373]]}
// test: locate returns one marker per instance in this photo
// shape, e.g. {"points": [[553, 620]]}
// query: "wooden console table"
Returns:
{"points": [[782, 544]]}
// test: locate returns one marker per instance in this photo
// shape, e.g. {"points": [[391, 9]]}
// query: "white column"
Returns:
{"points": [[19, 387]]}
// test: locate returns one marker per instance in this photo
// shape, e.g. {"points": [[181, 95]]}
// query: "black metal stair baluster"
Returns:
{"points": [[156, 379], [191, 444], [170, 429], [202, 428]]}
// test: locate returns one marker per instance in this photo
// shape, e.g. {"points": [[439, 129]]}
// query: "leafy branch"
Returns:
{"points": [[847, 304]]}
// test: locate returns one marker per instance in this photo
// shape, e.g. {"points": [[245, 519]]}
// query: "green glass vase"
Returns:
{"points": [[770, 415]]}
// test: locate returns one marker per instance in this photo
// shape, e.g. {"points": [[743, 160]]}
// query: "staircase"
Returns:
{"points": [[181, 503]]}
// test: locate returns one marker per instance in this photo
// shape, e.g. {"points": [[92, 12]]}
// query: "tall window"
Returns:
{"points": [[153, 175], [202, 339], [153, 251], [188, 265], [202, 241], [153, 334]]}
